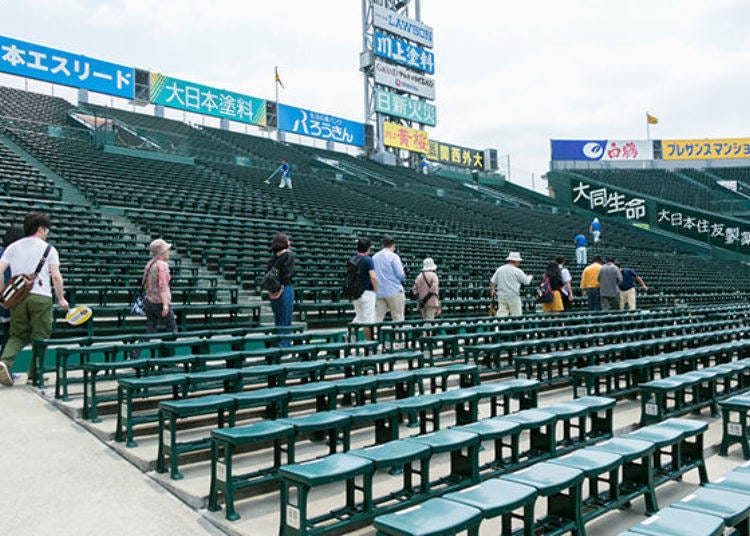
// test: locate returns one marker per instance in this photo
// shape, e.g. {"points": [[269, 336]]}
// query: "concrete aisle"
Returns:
{"points": [[58, 479]]}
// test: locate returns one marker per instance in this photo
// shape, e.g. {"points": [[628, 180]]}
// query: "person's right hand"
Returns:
{"points": [[165, 309], [63, 304]]}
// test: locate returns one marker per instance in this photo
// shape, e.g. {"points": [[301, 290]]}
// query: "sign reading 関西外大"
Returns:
{"points": [[65, 68], [323, 126], [608, 200], [397, 24], [404, 79], [201, 99], [399, 51], [400, 106], [455, 155]]}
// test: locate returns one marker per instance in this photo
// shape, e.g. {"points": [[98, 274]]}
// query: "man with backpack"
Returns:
{"points": [[361, 285]]}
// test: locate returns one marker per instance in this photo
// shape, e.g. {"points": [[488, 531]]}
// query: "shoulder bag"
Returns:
{"points": [[20, 285]]}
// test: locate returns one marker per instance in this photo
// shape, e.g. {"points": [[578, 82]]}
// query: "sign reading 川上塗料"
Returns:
{"points": [[397, 24], [455, 155], [404, 79], [400, 106], [407, 138], [65, 68], [323, 126], [399, 51], [201, 99], [718, 149], [607, 150]]}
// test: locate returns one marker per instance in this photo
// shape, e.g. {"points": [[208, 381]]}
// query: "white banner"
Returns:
{"points": [[395, 23], [629, 150], [404, 79]]}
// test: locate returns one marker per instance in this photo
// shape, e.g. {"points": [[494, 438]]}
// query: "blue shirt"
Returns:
{"points": [[390, 273], [595, 225], [580, 241], [628, 279], [365, 265], [286, 171]]}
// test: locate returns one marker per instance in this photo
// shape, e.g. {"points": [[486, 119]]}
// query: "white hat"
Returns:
{"points": [[428, 265], [514, 256], [159, 246]]}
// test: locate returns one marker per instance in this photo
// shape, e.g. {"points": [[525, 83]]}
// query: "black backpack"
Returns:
{"points": [[354, 287], [544, 292]]}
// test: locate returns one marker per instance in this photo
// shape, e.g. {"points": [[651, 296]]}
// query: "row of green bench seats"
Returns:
{"points": [[556, 367], [181, 294], [692, 391], [734, 413], [630, 466], [622, 378], [461, 442]]}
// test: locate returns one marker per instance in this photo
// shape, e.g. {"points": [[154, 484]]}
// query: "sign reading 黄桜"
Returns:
{"points": [[402, 52], [400, 106], [608, 201], [455, 155], [65, 68], [403, 137], [718, 149], [403, 79], [201, 99], [607, 150], [711, 228], [323, 126], [397, 24]]}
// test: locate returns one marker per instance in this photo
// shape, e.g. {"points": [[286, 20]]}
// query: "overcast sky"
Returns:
{"points": [[509, 75]]}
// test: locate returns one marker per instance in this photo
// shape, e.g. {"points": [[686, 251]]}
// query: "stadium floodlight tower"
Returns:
{"points": [[404, 21]]}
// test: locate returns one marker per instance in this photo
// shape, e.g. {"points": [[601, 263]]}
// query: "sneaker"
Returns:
{"points": [[5, 376], [281, 185]]}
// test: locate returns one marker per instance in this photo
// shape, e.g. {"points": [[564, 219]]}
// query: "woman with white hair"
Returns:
{"points": [[427, 290], [158, 299]]}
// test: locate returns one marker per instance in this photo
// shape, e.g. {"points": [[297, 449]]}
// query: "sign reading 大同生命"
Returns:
{"points": [[399, 51], [608, 201], [201, 99], [65, 68], [455, 155], [404, 79], [403, 137], [323, 126], [397, 24], [400, 106], [607, 150]]}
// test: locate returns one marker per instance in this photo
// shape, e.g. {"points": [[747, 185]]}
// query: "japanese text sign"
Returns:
{"points": [[201, 99], [65, 68], [720, 232], [405, 138], [400, 106], [705, 149], [399, 51], [397, 24], [608, 200], [403, 79], [454, 155], [323, 126], [607, 150]]}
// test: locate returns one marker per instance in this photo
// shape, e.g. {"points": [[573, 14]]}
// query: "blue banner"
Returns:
{"points": [[578, 149], [323, 126], [402, 52], [65, 68]]}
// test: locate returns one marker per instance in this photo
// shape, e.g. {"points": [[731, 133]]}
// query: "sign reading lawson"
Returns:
{"points": [[390, 21]]}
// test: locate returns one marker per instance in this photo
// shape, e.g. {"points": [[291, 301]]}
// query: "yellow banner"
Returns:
{"points": [[407, 138], [705, 149]]}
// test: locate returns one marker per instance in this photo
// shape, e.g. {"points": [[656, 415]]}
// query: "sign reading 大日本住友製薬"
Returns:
{"points": [[323, 126], [399, 51], [201, 99], [718, 149], [455, 155], [404, 79], [608, 201], [718, 231], [395, 23], [406, 108], [65, 68], [403, 137]]}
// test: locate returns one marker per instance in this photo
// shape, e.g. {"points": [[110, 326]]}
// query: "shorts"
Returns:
{"points": [[364, 308]]}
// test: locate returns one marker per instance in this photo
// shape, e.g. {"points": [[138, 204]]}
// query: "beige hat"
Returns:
{"points": [[514, 256], [428, 265], [159, 247]]}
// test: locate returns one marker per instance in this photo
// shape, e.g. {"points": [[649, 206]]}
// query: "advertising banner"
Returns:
{"points": [[604, 150], [317, 125], [710, 228], [403, 79], [608, 201], [399, 51], [455, 155], [405, 138], [201, 99], [718, 149], [65, 68], [400, 106], [393, 22]]}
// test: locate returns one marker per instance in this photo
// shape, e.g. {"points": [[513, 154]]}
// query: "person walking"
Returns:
{"points": [[286, 175], [158, 300], [505, 286], [31, 319], [367, 281], [390, 274], [15, 232], [580, 242], [595, 229], [609, 280], [427, 290], [590, 283], [627, 287], [282, 302], [553, 274], [567, 289]]}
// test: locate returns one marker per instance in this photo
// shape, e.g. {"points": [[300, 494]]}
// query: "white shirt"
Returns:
{"points": [[23, 256], [566, 278], [508, 280]]}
